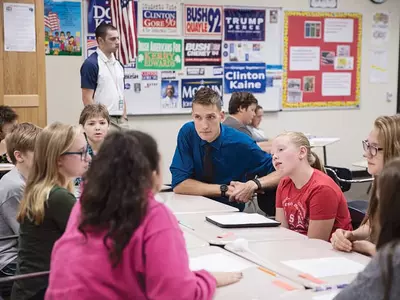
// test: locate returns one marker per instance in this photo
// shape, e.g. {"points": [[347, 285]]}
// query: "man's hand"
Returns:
{"points": [[243, 192]]}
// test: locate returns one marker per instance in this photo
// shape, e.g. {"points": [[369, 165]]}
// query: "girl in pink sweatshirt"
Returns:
{"points": [[120, 243]]}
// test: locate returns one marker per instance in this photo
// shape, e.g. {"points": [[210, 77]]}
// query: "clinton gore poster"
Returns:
{"points": [[244, 24], [158, 18], [63, 31]]}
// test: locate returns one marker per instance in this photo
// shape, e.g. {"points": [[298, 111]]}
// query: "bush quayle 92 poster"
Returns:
{"points": [[242, 24], [202, 52], [159, 18], [203, 19], [191, 86], [245, 77]]}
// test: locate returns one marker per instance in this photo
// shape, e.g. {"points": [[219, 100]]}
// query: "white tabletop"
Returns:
{"points": [[165, 188], [322, 141], [272, 254], [255, 284], [220, 236], [309, 295], [184, 204], [192, 241], [6, 167], [361, 164]]}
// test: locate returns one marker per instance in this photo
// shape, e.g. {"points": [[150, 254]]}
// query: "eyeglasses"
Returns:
{"points": [[84, 154], [373, 150]]}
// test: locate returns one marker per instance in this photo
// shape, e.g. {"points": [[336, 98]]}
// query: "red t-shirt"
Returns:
{"points": [[320, 199]]}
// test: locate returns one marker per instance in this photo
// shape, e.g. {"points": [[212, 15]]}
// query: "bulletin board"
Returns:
{"points": [[322, 60], [183, 47]]}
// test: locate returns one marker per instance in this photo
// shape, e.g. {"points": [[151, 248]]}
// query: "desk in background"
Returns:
{"points": [[192, 241], [187, 204], [322, 142], [272, 254], [197, 224], [6, 167], [361, 164], [255, 283]]}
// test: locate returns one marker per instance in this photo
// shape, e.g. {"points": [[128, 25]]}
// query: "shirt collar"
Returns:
{"points": [[218, 141], [104, 58]]}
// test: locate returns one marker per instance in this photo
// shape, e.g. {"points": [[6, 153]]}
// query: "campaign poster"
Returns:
{"points": [[202, 20], [191, 86], [169, 94], [159, 54], [202, 52], [245, 77], [63, 29], [241, 24], [98, 12], [159, 18], [91, 45]]}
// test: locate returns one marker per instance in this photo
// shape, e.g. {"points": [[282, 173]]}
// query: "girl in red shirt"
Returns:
{"points": [[307, 200]]}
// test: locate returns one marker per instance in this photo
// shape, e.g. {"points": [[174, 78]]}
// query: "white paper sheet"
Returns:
{"points": [[379, 72], [325, 267], [305, 58], [19, 27], [218, 262], [240, 218], [328, 296], [336, 84], [6, 166], [338, 30]]}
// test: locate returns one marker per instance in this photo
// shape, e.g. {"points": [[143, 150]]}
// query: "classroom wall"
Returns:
{"points": [[351, 126]]}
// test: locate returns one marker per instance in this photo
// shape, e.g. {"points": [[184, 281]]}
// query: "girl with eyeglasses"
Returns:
{"points": [[382, 144], [60, 156]]}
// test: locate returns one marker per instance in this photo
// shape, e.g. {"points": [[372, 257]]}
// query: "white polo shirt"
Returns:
{"points": [[106, 77]]}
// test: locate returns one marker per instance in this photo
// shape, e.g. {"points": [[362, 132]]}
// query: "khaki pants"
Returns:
{"points": [[118, 123]]}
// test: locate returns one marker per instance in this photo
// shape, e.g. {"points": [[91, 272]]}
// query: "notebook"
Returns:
{"points": [[240, 220]]}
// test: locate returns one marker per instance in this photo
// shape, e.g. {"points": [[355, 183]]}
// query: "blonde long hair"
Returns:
{"points": [[300, 140], [51, 143]]}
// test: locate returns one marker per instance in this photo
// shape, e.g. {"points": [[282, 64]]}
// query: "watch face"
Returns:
{"points": [[224, 188]]}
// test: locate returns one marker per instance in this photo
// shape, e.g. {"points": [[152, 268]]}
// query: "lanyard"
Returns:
{"points": [[114, 77]]}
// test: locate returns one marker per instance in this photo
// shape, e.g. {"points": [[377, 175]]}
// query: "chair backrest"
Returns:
{"points": [[337, 173]]}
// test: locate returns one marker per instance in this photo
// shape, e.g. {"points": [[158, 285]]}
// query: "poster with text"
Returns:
{"points": [[91, 45], [159, 54], [159, 18], [63, 30], [245, 77], [202, 52], [242, 24], [202, 20], [244, 52], [191, 86]]}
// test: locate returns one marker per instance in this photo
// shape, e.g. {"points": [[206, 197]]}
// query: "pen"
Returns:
{"points": [[329, 287], [185, 225], [267, 271]]}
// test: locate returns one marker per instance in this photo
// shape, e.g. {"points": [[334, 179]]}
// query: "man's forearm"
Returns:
{"points": [[270, 180], [198, 188], [87, 101]]}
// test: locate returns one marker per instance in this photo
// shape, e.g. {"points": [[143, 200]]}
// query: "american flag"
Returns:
{"points": [[91, 42], [52, 21], [123, 18]]}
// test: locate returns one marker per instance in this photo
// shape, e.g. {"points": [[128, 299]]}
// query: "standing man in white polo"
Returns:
{"points": [[102, 76]]}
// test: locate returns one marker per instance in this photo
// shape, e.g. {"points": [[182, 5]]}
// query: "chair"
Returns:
{"points": [[9, 237], [343, 177]]}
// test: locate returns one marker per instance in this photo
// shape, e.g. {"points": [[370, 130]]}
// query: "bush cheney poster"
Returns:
{"points": [[203, 19], [202, 52], [191, 86], [245, 77], [244, 24]]}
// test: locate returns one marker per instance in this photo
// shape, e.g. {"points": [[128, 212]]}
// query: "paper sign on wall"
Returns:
{"points": [[203, 19], [245, 77], [191, 86], [159, 54], [159, 18], [202, 52], [242, 24]]}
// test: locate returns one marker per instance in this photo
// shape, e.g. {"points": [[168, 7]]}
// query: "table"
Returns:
{"points": [[322, 142], [271, 254], [184, 204], [361, 164], [192, 241], [6, 167], [255, 284], [308, 295], [165, 188], [197, 224]]}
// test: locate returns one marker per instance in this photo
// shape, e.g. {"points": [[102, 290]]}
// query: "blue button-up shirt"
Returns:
{"points": [[235, 156]]}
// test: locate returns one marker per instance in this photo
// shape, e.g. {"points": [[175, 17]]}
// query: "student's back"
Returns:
{"points": [[76, 261]]}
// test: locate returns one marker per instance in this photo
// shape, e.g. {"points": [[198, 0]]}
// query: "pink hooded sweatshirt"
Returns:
{"points": [[154, 263]]}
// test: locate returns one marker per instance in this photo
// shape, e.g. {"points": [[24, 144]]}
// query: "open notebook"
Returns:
{"points": [[240, 219]]}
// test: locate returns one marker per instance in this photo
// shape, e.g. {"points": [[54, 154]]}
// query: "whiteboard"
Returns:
{"points": [[161, 91]]}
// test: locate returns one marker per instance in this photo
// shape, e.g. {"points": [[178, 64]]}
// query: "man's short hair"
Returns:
{"points": [[241, 100], [7, 115], [94, 111], [21, 138], [102, 29], [207, 96]]}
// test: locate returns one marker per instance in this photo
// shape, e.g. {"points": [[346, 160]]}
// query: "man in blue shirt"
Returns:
{"points": [[211, 158]]}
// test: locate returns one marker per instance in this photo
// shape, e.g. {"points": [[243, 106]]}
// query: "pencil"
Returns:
{"points": [[267, 271]]}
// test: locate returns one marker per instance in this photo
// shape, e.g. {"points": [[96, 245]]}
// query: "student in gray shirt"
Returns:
{"points": [[381, 277], [20, 145]]}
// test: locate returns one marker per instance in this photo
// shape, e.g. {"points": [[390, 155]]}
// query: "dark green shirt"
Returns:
{"points": [[36, 242]]}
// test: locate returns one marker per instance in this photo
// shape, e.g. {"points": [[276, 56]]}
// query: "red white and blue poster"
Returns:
{"points": [[191, 86], [159, 18], [202, 20], [244, 24]]}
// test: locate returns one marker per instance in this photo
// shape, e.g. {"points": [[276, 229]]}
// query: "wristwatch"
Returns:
{"points": [[223, 188]]}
